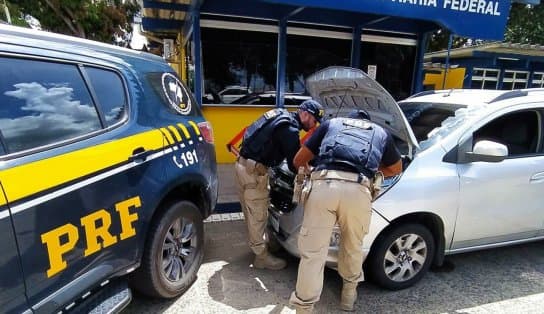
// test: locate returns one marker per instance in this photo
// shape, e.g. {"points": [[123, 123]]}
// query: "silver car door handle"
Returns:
{"points": [[537, 178]]}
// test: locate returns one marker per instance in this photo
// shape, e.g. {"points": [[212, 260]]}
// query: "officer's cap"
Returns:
{"points": [[359, 114], [314, 108]]}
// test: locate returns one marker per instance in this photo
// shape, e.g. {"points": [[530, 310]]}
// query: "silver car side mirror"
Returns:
{"points": [[488, 151]]}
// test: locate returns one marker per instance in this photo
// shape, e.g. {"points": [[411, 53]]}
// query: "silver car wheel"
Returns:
{"points": [[178, 249], [405, 257]]}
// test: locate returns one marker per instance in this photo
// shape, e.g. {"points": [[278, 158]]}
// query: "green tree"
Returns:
{"points": [[14, 12], [97, 20], [440, 38], [525, 24]]}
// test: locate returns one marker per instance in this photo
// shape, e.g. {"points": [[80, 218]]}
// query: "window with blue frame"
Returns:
{"points": [[538, 80], [515, 79], [483, 78], [308, 54], [239, 65], [393, 65]]}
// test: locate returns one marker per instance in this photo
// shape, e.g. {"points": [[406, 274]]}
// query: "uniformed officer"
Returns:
{"points": [[267, 142], [349, 152]]}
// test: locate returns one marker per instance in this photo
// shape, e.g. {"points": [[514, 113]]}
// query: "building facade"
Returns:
{"points": [[496, 65], [242, 57]]}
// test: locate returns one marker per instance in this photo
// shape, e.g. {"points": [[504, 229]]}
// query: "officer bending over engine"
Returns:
{"points": [[350, 151], [269, 140]]}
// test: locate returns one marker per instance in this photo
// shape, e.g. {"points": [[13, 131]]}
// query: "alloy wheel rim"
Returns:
{"points": [[405, 257], [179, 249]]}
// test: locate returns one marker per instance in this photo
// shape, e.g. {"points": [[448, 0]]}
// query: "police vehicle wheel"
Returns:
{"points": [[401, 256], [173, 252]]}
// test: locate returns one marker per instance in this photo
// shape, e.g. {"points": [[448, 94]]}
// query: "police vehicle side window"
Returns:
{"points": [[110, 92], [2, 150], [43, 103]]}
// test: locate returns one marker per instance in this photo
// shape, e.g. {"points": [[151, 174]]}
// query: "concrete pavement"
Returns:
{"points": [[504, 280]]}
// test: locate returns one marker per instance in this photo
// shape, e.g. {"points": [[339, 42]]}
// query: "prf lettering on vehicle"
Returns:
{"points": [[63, 239]]}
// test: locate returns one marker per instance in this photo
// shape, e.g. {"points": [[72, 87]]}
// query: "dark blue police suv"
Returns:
{"points": [[107, 170]]}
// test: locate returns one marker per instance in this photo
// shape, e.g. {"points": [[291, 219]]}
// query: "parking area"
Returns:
{"points": [[503, 280]]}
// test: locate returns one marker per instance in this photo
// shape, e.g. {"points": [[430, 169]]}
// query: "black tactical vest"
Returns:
{"points": [[259, 134], [358, 144]]}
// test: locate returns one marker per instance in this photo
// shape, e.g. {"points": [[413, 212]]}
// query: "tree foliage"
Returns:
{"points": [[439, 41], [97, 20], [16, 18], [525, 24]]}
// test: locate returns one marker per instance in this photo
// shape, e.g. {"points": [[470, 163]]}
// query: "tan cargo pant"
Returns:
{"points": [[331, 201], [252, 181]]}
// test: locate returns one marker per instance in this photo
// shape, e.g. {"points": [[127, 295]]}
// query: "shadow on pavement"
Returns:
{"points": [[502, 280], [243, 287]]}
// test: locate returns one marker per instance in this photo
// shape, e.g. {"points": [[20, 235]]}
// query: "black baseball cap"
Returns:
{"points": [[314, 108]]}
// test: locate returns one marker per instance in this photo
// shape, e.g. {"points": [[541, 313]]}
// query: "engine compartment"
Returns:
{"points": [[281, 183]]}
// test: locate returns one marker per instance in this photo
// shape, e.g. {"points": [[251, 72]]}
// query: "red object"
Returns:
{"points": [[307, 135], [206, 131], [231, 145]]}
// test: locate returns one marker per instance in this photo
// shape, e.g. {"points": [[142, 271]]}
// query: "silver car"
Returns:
{"points": [[473, 175]]}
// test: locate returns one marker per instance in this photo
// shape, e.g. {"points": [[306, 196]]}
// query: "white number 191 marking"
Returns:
{"points": [[188, 158]]}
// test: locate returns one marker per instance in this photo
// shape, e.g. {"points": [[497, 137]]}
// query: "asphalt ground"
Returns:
{"points": [[503, 280]]}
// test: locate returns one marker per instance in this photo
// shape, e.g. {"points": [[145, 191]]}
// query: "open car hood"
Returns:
{"points": [[342, 89]]}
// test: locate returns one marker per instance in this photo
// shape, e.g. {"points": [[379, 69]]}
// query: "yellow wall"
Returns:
{"points": [[227, 121], [454, 79]]}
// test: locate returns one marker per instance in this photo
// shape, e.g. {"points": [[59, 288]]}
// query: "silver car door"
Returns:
{"points": [[503, 201]]}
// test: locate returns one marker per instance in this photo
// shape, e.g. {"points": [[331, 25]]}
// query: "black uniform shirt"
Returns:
{"points": [[285, 143], [390, 155]]}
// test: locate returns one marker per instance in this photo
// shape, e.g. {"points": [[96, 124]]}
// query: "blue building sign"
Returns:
{"points": [[483, 19]]}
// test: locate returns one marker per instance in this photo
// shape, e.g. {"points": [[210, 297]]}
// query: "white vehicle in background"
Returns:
{"points": [[269, 99], [231, 93], [227, 95], [473, 175]]}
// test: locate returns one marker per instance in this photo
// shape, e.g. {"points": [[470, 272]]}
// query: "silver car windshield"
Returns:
{"points": [[432, 122]]}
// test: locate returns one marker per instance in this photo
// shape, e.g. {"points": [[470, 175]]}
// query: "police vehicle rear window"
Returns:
{"points": [[174, 94], [109, 90]]}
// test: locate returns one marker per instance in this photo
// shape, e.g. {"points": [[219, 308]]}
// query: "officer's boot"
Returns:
{"points": [[305, 311], [267, 261], [349, 295]]}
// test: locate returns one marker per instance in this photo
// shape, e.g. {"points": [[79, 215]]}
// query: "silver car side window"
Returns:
{"points": [[519, 131]]}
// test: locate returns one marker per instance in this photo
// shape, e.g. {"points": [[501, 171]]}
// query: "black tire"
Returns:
{"points": [[176, 240], [405, 265]]}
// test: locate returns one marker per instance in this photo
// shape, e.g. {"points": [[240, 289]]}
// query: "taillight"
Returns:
{"points": [[206, 131]]}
